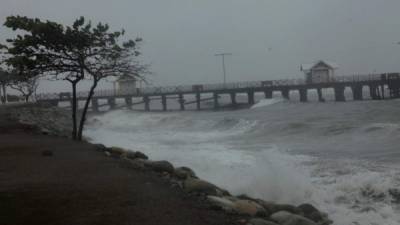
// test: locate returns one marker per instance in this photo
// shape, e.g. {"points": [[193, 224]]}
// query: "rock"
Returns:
{"points": [[199, 186], [284, 207], [310, 212], [136, 155], [100, 147], [107, 153], [160, 166], [248, 207], [184, 173], [258, 221], [137, 164], [225, 204], [47, 153], [286, 218], [116, 151]]}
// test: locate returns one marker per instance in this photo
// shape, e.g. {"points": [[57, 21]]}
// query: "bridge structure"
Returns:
{"points": [[376, 83]]}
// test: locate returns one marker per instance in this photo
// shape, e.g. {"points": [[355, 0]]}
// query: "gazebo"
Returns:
{"points": [[319, 72]]}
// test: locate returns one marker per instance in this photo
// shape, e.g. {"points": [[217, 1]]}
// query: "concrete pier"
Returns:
{"points": [[339, 93], [303, 94], [377, 84], [285, 93], [233, 98], [164, 102], [216, 103], [250, 96], [146, 101], [268, 93]]}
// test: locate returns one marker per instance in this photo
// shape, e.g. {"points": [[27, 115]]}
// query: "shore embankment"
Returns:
{"points": [[46, 178]]}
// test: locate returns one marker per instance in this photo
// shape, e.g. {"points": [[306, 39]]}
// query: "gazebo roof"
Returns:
{"points": [[308, 67], [126, 77]]}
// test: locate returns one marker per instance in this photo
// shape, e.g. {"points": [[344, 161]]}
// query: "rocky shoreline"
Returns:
{"points": [[255, 211], [56, 122]]}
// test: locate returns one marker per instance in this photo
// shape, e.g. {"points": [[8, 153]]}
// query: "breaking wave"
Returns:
{"points": [[339, 160]]}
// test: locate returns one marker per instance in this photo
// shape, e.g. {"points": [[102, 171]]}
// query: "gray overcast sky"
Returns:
{"points": [[269, 39]]}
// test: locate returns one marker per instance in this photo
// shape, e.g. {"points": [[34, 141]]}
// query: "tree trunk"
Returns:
{"points": [[1, 96], [85, 108], [26, 98], [74, 109], [4, 94]]}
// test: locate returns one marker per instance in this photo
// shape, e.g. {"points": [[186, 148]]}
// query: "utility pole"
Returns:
{"points": [[223, 63]]}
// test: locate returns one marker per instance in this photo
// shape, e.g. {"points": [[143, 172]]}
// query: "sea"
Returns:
{"points": [[342, 157]]}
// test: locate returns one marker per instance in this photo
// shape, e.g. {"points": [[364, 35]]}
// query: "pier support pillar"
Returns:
{"points": [[146, 101], [250, 96], [268, 93], [374, 91], [95, 104], [216, 103], [181, 102], [357, 92], [339, 94], [303, 94], [285, 93], [164, 102], [111, 102], [320, 97], [198, 98], [128, 102], [233, 98]]}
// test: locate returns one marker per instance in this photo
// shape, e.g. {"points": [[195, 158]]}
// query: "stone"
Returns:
{"points": [[248, 207], [133, 164], [136, 155], [287, 218], [160, 166], [225, 204], [107, 153], [100, 147], [310, 212], [184, 173], [116, 151], [199, 186], [259, 221]]}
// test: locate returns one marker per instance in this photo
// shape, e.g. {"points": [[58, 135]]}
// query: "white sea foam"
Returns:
{"points": [[267, 102], [229, 149]]}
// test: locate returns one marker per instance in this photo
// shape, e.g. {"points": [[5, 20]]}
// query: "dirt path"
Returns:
{"points": [[78, 185]]}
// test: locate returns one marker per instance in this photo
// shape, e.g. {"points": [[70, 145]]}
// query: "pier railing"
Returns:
{"points": [[211, 87]]}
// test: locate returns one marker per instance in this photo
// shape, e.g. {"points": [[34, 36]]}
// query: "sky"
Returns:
{"points": [[268, 39]]}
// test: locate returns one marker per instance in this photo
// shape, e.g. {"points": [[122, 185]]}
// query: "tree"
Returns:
{"points": [[72, 53], [5, 80], [26, 86]]}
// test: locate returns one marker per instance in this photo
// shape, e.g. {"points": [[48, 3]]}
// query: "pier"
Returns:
{"points": [[375, 83]]}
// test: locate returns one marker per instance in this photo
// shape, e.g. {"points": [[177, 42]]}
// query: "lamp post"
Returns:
{"points": [[223, 64]]}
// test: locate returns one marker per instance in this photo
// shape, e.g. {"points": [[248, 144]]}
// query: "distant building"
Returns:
{"points": [[319, 72], [126, 84]]}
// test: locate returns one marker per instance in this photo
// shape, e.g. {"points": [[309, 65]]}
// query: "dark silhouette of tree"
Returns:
{"points": [[5, 80], [26, 86], [72, 53]]}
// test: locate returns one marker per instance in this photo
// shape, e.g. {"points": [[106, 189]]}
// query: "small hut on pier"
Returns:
{"points": [[126, 84], [319, 72]]}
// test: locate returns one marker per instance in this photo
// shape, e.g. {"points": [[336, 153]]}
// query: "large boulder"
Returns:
{"points": [[199, 186], [136, 155], [160, 166], [100, 147], [223, 203], [259, 221], [287, 218], [247, 207], [116, 151], [312, 213], [184, 173]]}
